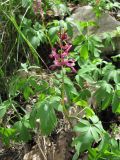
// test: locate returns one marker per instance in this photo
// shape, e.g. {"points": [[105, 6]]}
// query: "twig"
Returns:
{"points": [[38, 140]]}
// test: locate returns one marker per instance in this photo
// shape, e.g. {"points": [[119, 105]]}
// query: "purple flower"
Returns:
{"points": [[60, 55], [63, 36], [66, 49], [54, 54], [37, 6]]}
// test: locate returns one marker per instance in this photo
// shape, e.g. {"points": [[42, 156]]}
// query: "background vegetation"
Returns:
{"points": [[45, 75]]}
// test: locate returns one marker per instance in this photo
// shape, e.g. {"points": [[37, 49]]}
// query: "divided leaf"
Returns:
{"points": [[46, 113], [90, 130]]}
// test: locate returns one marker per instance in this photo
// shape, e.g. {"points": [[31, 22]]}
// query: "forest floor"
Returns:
{"points": [[57, 146]]}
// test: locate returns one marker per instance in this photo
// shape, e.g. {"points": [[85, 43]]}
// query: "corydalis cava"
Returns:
{"points": [[37, 7], [61, 55]]}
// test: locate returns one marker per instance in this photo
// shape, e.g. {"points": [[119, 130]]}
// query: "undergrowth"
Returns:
{"points": [[73, 74]]}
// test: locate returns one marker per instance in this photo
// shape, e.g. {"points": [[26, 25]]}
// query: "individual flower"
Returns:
{"points": [[66, 49], [63, 36]]}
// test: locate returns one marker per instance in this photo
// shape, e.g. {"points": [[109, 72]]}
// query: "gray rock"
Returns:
{"points": [[105, 23], [118, 14]]}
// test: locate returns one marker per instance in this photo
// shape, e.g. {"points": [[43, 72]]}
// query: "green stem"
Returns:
{"points": [[16, 112], [63, 96], [63, 89]]}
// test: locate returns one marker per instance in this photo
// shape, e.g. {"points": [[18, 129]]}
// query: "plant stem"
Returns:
{"points": [[63, 89], [16, 112], [66, 113]]}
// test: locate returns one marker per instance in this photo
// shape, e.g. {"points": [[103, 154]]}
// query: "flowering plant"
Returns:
{"points": [[37, 7], [61, 53]]}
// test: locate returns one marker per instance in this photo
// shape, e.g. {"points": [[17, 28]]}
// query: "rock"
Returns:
{"points": [[105, 24], [118, 15]]}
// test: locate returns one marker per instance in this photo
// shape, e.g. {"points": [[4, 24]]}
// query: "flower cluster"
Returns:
{"points": [[61, 54], [37, 7]]}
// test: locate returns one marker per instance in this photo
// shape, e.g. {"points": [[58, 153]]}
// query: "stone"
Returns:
{"points": [[118, 14], [105, 24]]}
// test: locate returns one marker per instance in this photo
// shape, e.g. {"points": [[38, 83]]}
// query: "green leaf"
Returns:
{"points": [[116, 103], [46, 113], [82, 103], [27, 92], [85, 94], [90, 131], [22, 132], [78, 40], [85, 140], [104, 94], [35, 41], [93, 154], [56, 103], [1, 73], [95, 134], [106, 102], [24, 66], [114, 75], [3, 107], [88, 71], [33, 117], [107, 87], [76, 155], [2, 111], [83, 126], [26, 3], [94, 119], [84, 53], [110, 73], [69, 88], [89, 112], [53, 34], [69, 30], [7, 134], [104, 144]]}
